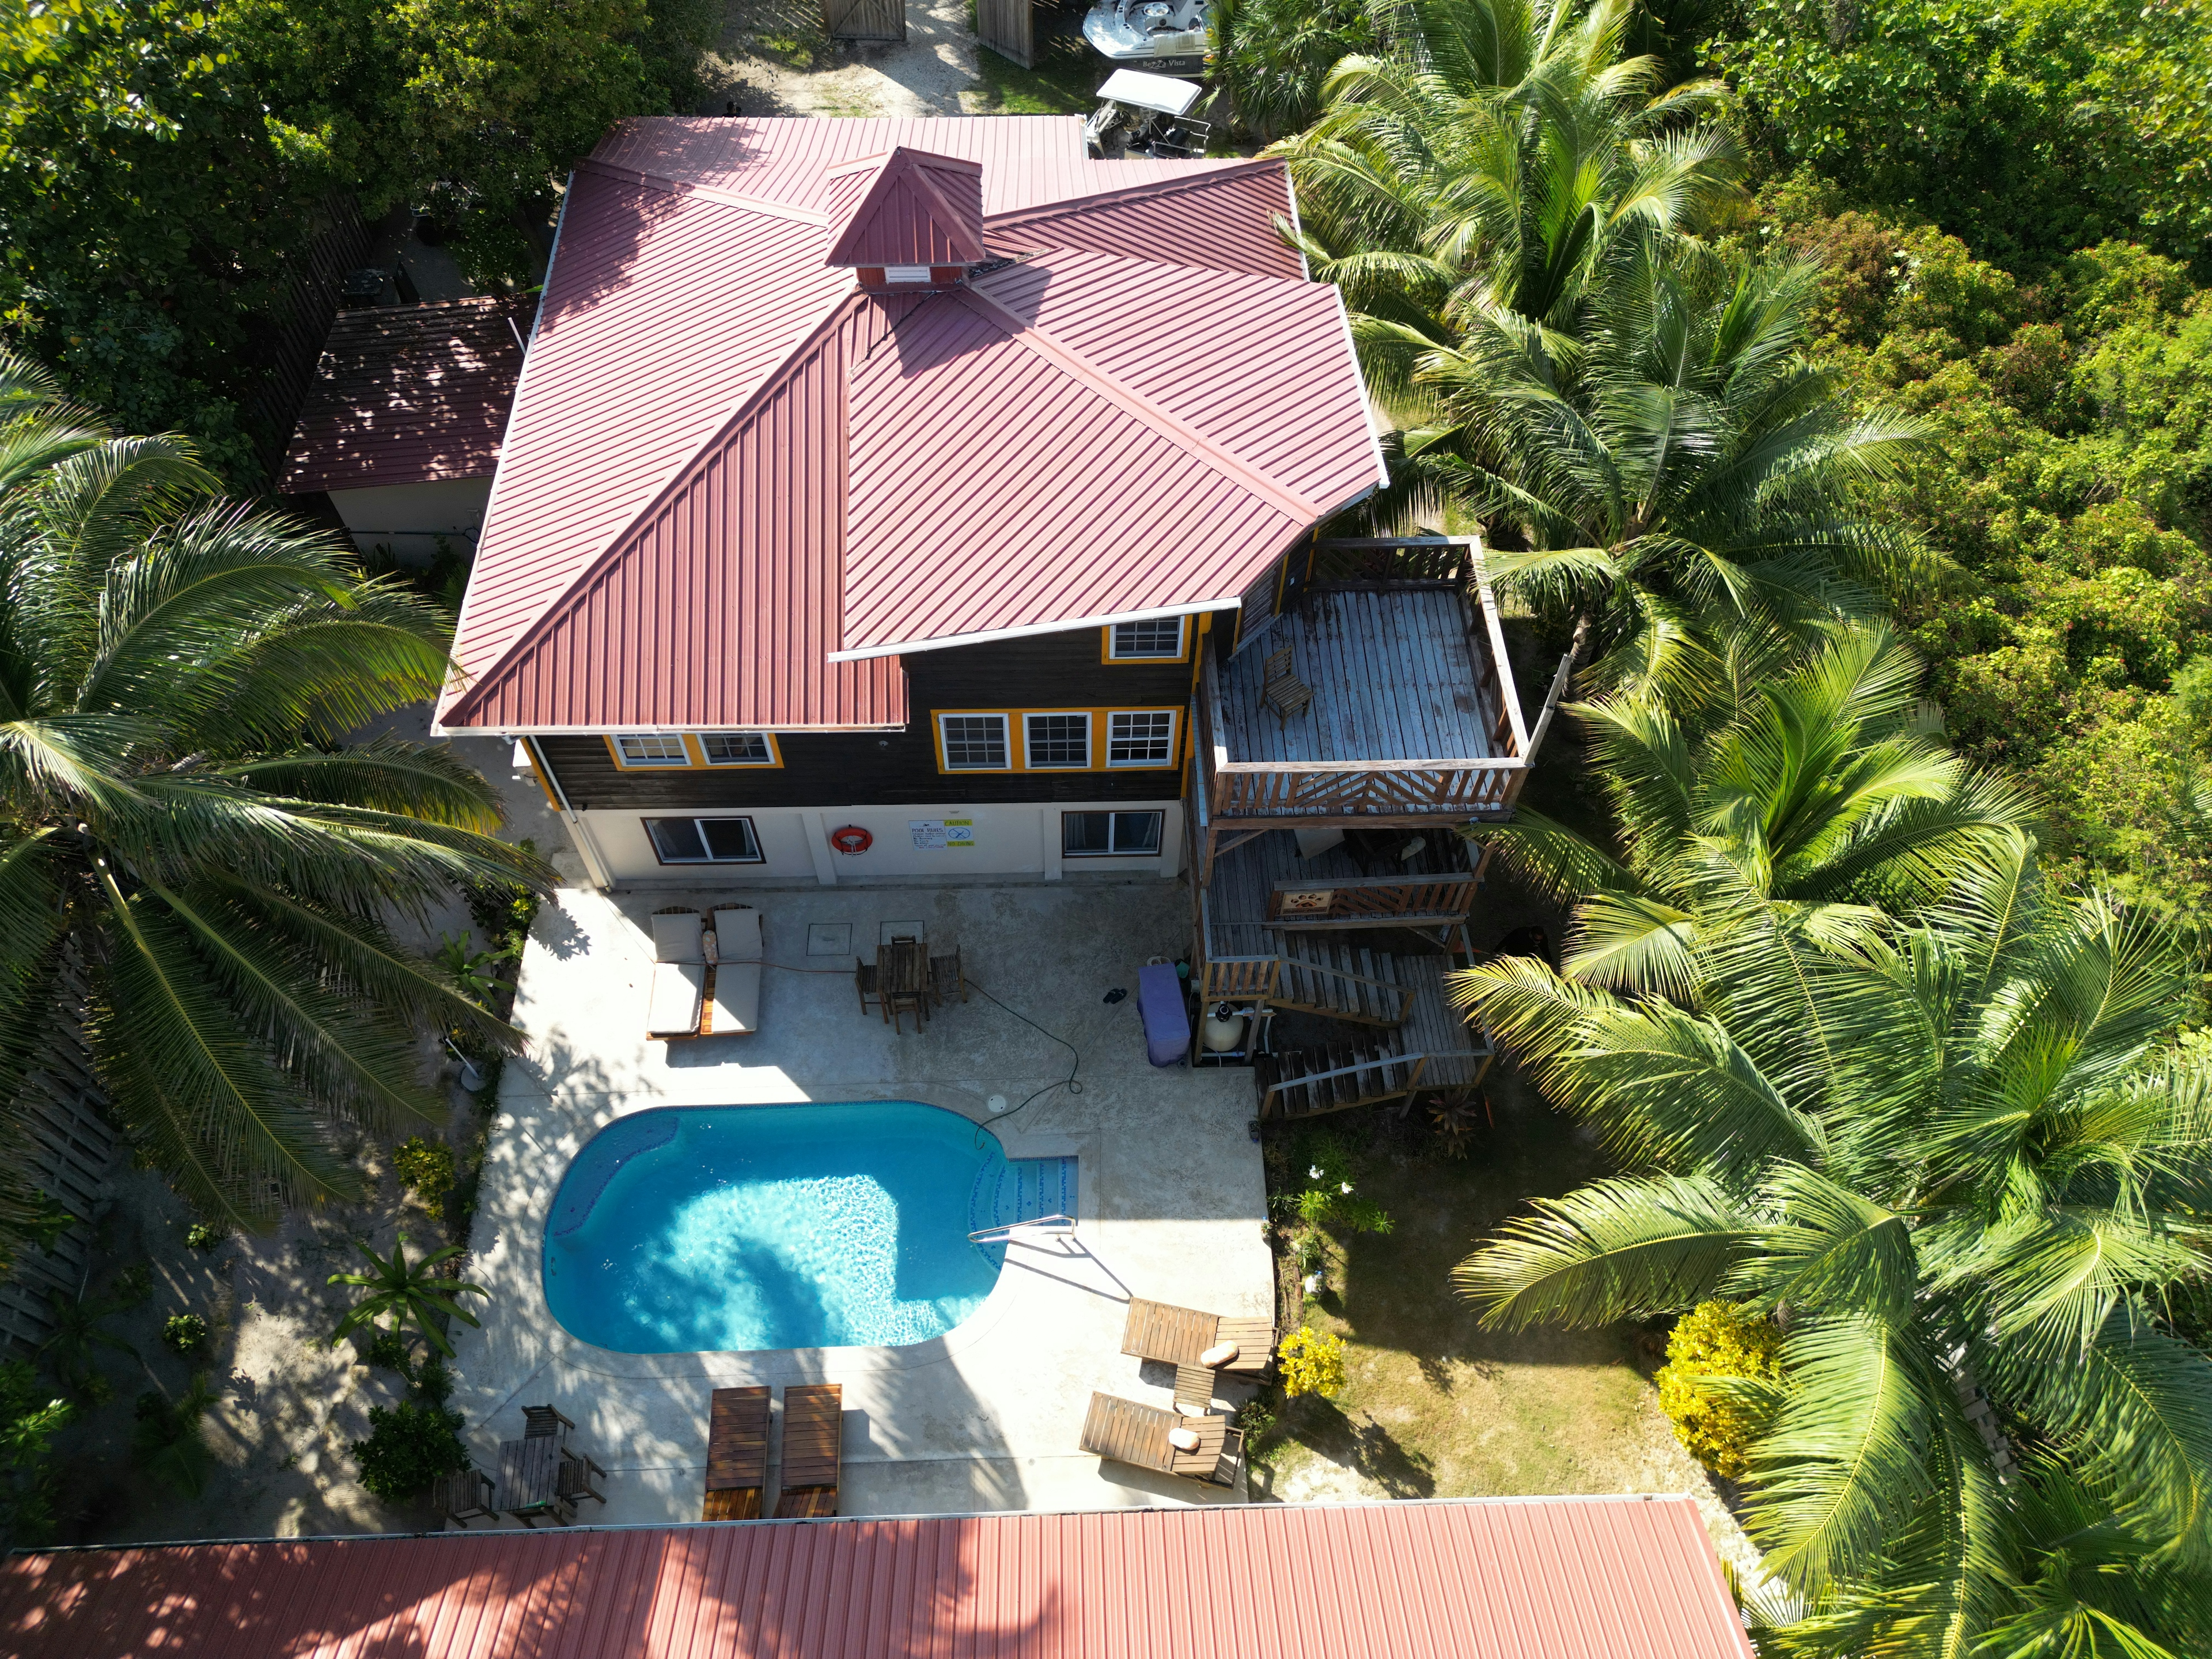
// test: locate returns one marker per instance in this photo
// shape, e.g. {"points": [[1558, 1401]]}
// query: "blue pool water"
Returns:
{"points": [[713, 1228]]}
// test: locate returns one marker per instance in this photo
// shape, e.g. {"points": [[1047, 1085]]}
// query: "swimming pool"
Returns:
{"points": [[696, 1229]]}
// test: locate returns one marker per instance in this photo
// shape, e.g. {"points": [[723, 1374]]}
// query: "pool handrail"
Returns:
{"points": [[1064, 1223]]}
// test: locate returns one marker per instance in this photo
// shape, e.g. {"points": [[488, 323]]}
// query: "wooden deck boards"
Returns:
{"points": [[1458, 1054], [1394, 677]]}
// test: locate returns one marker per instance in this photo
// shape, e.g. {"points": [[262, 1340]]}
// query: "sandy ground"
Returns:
{"points": [[772, 60]]}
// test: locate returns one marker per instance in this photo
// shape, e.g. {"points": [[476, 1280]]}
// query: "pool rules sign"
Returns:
{"points": [[929, 833]]}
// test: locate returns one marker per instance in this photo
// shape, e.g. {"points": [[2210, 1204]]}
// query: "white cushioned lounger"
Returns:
{"points": [[736, 1011], [679, 975]]}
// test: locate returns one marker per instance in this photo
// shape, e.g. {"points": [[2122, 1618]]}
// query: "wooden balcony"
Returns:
{"points": [[1414, 718]]}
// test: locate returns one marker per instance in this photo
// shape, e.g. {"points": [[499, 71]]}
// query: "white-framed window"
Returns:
{"points": [[1110, 835], [704, 841], [1140, 736], [975, 743], [1156, 639], [1056, 742], [652, 748], [737, 748]]}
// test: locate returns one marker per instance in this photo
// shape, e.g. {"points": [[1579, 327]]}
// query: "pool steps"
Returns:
{"points": [[1020, 1190]]}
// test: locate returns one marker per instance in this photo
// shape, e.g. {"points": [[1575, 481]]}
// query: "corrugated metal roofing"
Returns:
{"points": [[1532, 1578], [1208, 220], [690, 271], [406, 394]]}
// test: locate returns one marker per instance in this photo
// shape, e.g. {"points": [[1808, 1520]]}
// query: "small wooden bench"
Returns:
{"points": [[737, 1453]]}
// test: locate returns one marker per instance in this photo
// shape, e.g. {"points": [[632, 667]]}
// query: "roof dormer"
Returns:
{"points": [[907, 219]]}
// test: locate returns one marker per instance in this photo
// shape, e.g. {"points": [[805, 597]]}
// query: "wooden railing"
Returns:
{"points": [[1383, 900]]}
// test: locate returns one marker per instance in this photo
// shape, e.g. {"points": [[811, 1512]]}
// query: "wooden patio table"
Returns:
{"points": [[530, 1479]]}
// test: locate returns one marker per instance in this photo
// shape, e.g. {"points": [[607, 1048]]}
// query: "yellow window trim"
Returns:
{"points": [[694, 756], [1017, 738], [1106, 645]]}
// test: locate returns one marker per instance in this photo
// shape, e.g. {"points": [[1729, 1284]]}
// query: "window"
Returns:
{"points": [[1110, 835], [737, 748], [1157, 640], [975, 743], [1141, 738], [703, 841], [1056, 740], [653, 749]]}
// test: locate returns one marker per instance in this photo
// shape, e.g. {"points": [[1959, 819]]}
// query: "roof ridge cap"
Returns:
{"points": [[1066, 358], [1240, 168], [668, 185], [472, 694]]}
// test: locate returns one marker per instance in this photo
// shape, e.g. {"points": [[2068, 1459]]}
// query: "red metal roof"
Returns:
{"points": [[907, 207], [405, 395], [1530, 1578], [667, 486]]}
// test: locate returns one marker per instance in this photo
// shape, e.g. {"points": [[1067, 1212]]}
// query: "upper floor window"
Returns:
{"points": [[1156, 639], [975, 743], [737, 748], [653, 749], [1143, 737], [1054, 741]]}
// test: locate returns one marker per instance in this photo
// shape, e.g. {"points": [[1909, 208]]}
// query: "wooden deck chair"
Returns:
{"points": [[573, 1479], [466, 1495], [733, 983], [737, 1453], [945, 977], [1182, 1336], [679, 975], [540, 1421], [1282, 690], [863, 980], [813, 1422], [1127, 1431]]}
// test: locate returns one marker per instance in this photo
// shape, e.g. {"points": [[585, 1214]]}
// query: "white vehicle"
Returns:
{"points": [[1141, 114], [1162, 33]]}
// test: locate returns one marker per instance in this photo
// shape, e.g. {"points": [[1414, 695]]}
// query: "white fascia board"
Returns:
{"points": [[906, 648]]}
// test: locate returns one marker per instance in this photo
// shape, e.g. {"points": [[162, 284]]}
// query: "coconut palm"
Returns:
{"points": [[1492, 157], [1673, 471], [194, 874], [1269, 57], [407, 1291], [1958, 1160], [1817, 789]]}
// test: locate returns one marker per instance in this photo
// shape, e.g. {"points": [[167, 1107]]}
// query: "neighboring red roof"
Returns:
{"points": [[406, 395], [914, 495], [1499, 1578]]}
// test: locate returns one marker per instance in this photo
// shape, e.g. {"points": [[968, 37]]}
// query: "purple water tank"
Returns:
{"points": [[1167, 1028]]}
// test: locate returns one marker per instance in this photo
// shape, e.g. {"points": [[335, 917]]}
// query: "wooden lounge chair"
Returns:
{"points": [[679, 975], [813, 1420], [1282, 690], [737, 1455], [466, 1495], [1177, 1336], [1129, 1433], [733, 979]]}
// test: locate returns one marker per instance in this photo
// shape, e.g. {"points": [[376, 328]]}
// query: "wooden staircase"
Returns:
{"points": [[1320, 975], [1305, 1082]]}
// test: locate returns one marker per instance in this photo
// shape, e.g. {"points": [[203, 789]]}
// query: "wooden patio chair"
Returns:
{"points": [[863, 980], [1282, 690], [466, 1495], [945, 976], [1182, 1336], [813, 1422], [575, 1481], [542, 1420], [1127, 1431], [737, 1453]]}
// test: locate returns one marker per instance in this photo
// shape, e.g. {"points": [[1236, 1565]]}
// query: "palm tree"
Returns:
{"points": [[406, 1292], [71, 1346], [1675, 471], [1270, 57], [1817, 789], [195, 876], [168, 1438], [1956, 1159]]}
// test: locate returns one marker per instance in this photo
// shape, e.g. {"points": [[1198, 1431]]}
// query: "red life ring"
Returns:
{"points": [[852, 839]]}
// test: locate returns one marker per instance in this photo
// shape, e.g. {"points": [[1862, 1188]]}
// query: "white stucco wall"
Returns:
{"points": [[409, 518], [1019, 840]]}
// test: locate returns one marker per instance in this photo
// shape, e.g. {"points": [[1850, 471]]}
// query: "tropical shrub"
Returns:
{"points": [[194, 874], [1312, 1362], [168, 1441], [425, 1168], [183, 1334], [72, 1345], [408, 1292], [1713, 1340], [28, 1422], [409, 1446], [1269, 56], [202, 1236]]}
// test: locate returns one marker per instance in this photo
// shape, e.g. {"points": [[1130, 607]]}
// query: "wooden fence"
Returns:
{"points": [[70, 1147], [865, 20]]}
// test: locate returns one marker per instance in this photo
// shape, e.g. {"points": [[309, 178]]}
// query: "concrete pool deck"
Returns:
{"points": [[1172, 1202]]}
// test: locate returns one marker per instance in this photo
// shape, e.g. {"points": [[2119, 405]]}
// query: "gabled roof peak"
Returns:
{"points": [[906, 207]]}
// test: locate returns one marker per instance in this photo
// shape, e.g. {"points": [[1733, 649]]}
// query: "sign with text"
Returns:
{"points": [[931, 833]]}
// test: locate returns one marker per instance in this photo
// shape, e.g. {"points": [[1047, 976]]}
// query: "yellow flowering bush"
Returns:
{"points": [[1713, 1339], [1312, 1362]]}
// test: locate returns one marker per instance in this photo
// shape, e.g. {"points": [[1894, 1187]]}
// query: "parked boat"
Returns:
{"points": [[1150, 33]]}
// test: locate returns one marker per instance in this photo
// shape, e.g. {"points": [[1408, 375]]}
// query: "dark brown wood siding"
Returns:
{"points": [[841, 768]]}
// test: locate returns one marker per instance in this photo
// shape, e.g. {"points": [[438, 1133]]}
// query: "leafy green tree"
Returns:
{"points": [[1815, 789], [191, 868], [1958, 1160], [1270, 57], [409, 1446], [407, 1291]]}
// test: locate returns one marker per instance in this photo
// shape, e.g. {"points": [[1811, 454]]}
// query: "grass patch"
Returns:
{"points": [[1065, 82], [1433, 1405]]}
